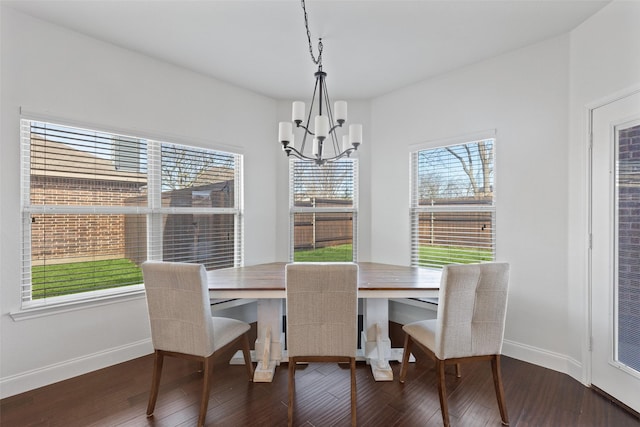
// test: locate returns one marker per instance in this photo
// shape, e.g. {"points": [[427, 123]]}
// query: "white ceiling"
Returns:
{"points": [[370, 47]]}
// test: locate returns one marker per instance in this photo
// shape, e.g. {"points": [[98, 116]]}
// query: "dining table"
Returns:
{"points": [[377, 283]]}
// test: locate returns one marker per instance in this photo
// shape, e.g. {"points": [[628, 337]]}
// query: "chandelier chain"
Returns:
{"points": [[306, 24]]}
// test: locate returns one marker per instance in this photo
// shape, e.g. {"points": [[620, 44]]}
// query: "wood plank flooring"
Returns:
{"points": [[117, 396]]}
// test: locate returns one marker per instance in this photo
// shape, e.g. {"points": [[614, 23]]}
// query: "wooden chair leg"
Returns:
{"points": [[406, 352], [292, 373], [158, 360], [352, 363], [458, 371], [246, 351], [442, 392], [206, 386], [497, 383]]}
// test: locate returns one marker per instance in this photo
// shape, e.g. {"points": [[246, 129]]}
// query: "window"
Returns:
{"points": [[452, 204], [324, 211], [95, 205]]}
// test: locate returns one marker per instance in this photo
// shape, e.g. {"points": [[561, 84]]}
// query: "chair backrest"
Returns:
{"points": [[322, 309], [179, 307], [471, 310]]}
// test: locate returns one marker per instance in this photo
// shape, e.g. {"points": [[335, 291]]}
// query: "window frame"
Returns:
{"points": [[352, 210], [153, 212], [415, 210]]}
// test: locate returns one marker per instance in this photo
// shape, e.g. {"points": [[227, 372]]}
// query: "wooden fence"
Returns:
{"points": [[320, 230]]}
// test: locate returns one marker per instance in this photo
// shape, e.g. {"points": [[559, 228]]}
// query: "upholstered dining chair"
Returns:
{"points": [[469, 325], [182, 325], [322, 313]]}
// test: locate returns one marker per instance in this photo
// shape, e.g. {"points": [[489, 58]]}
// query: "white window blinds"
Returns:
{"points": [[200, 206], [95, 205], [627, 246], [324, 208], [452, 204]]}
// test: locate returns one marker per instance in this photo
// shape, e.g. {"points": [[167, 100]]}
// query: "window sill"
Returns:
{"points": [[67, 304]]}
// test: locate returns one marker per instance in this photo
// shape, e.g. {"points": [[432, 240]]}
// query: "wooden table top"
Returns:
{"points": [[374, 280]]}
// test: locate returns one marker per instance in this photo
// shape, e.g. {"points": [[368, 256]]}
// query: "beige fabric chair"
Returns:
{"points": [[182, 325], [469, 326], [322, 319]]}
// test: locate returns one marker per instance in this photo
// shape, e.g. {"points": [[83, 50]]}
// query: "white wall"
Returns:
{"points": [[52, 71], [605, 61], [523, 95]]}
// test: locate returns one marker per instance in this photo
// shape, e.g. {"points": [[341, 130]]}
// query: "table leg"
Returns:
{"points": [[269, 346], [376, 338]]}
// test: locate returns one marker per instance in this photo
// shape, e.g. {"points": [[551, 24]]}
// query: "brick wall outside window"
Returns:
{"points": [[629, 234], [62, 237]]}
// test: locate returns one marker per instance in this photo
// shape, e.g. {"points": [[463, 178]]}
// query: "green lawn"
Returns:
{"points": [[431, 256], [71, 278], [438, 256], [339, 253], [64, 279]]}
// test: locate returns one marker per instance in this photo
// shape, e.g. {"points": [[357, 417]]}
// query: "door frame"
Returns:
{"points": [[589, 110]]}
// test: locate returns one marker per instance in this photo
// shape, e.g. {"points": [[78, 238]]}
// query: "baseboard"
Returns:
{"points": [[547, 359], [403, 311], [25, 381]]}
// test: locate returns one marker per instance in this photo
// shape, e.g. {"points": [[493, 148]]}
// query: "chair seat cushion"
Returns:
{"points": [[226, 330], [423, 331]]}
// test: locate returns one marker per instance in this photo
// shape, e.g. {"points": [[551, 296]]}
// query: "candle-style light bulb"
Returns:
{"points": [[321, 127], [340, 110], [285, 132], [297, 112]]}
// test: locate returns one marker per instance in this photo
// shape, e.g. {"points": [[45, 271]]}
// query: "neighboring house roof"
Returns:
{"points": [[55, 159]]}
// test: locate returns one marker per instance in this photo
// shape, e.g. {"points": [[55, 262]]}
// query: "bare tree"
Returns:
{"points": [[329, 181], [439, 178], [485, 155], [184, 167]]}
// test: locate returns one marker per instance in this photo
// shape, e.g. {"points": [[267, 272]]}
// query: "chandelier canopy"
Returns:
{"points": [[325, 123]]}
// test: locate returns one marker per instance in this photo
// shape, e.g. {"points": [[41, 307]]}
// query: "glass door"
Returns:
{"points": [[615, 256]]}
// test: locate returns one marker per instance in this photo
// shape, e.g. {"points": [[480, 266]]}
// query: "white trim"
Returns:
{"points": [[454, 140], [587, 337], [406, 311], [589, 108], [545, 358], [323, 210], [352, 209], [458, 208], [27, 114], [29, 380], [616, 96], [74, 302], [416, 210]]}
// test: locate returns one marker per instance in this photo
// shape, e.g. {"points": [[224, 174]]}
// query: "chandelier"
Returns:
{"points": [[326, 122]]}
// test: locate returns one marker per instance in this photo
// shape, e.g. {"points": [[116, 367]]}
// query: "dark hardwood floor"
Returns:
{"points": [[117, 396]]}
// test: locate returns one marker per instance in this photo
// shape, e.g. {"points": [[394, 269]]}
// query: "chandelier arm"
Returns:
{"points": [[313, 98], [307, 128], [291, 151], [346, 153], [337, 125], [334, 136], [336, 143]]}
